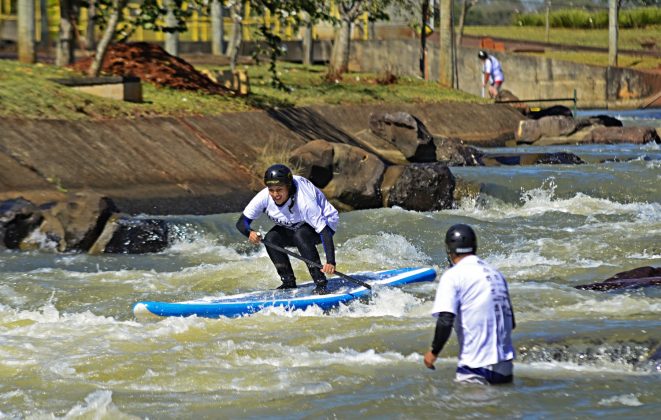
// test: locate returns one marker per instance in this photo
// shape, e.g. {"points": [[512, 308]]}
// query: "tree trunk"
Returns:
{"points": [[341, 48], [217, 28], [45, 34], [465, 6], [64, 54], [26, 14], [445, 49], [90, 39], [307, 43], [237, 31], [612, 32], [423, 39], [171, 38], [108, 34]]}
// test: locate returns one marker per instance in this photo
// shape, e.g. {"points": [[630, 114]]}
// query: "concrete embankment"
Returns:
{"points": [[201, 165]]}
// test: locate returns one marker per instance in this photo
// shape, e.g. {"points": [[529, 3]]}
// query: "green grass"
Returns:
{"points": [[627, 38], [310, 88], [26, 91], [598, 59]]}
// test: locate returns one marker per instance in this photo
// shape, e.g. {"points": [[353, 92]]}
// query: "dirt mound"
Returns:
{"points": [[153, 64]]}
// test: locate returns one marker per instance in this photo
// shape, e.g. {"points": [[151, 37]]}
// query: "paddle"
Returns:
{"points": [[314, 264]]}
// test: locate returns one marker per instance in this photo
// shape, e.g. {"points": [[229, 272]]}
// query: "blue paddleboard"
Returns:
{"points": [[340, 291]]}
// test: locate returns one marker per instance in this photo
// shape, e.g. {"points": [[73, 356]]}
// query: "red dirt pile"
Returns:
{"points": [[153, 64]]}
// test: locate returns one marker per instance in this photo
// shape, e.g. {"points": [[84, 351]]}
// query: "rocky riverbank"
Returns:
{"points": [[204, 165]]}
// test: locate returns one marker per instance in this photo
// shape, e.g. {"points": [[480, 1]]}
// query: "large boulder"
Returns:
{"points": [[553, 126], [18, 218], [76, 223], [314, 161], [615, 135], [128, 235], [453, 153], [419, 186], [406, 132], [355, 174], [636, 278]]}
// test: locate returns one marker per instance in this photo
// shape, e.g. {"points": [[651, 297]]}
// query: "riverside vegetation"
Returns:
{"points": [[27, 91]]}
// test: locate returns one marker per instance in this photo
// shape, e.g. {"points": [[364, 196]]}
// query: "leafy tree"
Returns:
{"points": [[350, 11], [150, 15]]}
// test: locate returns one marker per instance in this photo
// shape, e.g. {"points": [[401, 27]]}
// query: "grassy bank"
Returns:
{"points": [[629, 39], [26, 91]]}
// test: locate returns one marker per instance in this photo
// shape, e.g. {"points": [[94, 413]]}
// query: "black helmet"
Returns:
{"points": [[482, 55], [461, 239], [278, 174]]}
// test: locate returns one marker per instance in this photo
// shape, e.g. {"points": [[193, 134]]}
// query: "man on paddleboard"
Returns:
{"points": [[474, 297], [303, 218]]}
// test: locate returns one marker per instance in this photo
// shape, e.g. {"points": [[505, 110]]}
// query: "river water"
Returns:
{"points": [[70, 347]]}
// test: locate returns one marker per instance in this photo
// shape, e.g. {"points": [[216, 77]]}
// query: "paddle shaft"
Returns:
{"points": [[314, 264]]}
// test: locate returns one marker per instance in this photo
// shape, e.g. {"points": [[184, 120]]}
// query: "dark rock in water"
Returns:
{"points": [[638, 277], [552, 110], [137, 236], [406, 132], [18, 218], [453, 153], [559, 158], [604, 120], [75, 224], [616, 135], [422, 187]]}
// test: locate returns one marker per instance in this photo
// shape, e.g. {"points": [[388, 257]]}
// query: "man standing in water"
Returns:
{"points": [[474, 297], [303, 218], [493, 73]]}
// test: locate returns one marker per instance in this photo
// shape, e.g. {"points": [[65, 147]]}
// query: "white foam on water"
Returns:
{"points": [[209, 248], [97, 405], [541, 200], [381, 250], [301, 356], [630, 400], [619, 305], [176, 325], [560, 369], [384, 302]]}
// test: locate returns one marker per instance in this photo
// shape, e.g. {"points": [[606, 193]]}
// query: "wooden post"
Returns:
{"points": [[26, 15]]}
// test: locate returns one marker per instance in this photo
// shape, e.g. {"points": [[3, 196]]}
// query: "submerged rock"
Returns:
{"points": [[638, 277]]}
